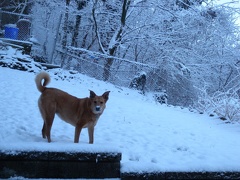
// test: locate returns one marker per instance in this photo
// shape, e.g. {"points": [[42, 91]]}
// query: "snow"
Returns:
{"points": [[11, 25], [150, 136]]}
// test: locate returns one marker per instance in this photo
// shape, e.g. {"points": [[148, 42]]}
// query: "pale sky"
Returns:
{"points": [[233, 3]]}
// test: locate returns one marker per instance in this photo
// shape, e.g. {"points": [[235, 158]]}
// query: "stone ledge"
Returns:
{"points": [[180, 175], [38, 164]]}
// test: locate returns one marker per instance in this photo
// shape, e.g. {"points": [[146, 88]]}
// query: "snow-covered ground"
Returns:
{"points": [[150, 136]]}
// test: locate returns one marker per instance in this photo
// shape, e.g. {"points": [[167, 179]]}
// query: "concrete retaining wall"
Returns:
{"points": [[36, 164]]}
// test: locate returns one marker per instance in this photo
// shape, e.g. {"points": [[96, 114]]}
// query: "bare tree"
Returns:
{"points": [[65, 25], [17, 6], [80, 5], [116, 36], [189, 46]]}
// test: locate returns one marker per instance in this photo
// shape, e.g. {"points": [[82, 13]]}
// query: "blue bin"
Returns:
{"points": [[11, 31]]}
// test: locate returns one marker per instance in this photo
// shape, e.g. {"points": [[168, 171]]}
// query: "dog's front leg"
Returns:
{"points": [[90, 134], [78, 130]]}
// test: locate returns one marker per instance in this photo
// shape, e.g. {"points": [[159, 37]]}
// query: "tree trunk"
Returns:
{"points": [[117, 40], [65, 26], [108, 64], [81, 4]]}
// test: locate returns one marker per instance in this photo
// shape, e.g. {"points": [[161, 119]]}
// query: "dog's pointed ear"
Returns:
{"points": [[92, 94], [105, 95]]}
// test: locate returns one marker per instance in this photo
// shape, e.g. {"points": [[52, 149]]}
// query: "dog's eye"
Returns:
{"points": [[101, 102], [95, 102]]}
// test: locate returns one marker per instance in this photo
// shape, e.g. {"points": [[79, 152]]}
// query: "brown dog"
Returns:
{"points": [[81, 113]]}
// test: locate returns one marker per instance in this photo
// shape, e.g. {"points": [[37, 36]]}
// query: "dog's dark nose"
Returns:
{"points": [[97, 108]]}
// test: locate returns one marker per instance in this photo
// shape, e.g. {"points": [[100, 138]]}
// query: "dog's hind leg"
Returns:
{"points": [[48, 125], [48, 117], [44, 130]]}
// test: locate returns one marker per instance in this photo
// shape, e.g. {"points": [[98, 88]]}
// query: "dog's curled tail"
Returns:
{"points": [[42, 76]]}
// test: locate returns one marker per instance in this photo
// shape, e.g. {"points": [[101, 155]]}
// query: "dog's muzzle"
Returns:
{"points": [[97, 108]]}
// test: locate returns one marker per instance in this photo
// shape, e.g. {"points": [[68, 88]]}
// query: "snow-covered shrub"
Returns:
{"points": [[226, 105], [176, 81], [139, 82], [204, 103], [161, 97]]}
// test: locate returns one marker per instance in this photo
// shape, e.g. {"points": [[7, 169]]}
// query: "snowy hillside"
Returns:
{"points": [[151, 137]]}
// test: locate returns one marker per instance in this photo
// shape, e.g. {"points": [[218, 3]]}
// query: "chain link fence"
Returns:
{"points": [[121, 72], [118, 71], [125, 73], [15, 26]]}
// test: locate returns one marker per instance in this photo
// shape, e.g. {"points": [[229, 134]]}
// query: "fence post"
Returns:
{"points": [[55, 39]]}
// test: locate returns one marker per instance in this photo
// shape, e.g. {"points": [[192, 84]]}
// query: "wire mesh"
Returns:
{"points": [[15, 26], [121, 72]]}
